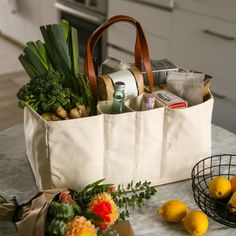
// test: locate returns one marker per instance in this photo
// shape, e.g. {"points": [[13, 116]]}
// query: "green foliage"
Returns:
{"points": [[47, 93], [84, 197], [55, 64], [132, 196]]}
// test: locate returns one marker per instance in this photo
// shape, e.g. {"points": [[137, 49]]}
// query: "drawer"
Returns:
{"points": [[205, 44], [224, 9], [153, 20], [123, 36]]}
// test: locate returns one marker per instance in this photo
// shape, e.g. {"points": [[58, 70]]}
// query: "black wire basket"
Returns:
{"points": [[202, 173]]}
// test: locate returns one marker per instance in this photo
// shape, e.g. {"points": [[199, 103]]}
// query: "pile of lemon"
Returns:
{"points": [[195, 222]]}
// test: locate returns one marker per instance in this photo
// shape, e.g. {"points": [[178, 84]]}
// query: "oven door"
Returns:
{"points": [[86, 22]]}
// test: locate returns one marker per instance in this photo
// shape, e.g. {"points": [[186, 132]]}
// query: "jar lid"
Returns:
{"points": [[119, 85]]}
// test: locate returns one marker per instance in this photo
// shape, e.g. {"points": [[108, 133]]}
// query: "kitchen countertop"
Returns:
{"points": [[17, 180]]}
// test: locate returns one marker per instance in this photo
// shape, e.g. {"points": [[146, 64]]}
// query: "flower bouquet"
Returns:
{"points": [[96, 210]]}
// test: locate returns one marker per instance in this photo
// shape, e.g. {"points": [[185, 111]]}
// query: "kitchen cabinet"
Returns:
{"points": [[23, 24], [121, 36], [205, 40]]}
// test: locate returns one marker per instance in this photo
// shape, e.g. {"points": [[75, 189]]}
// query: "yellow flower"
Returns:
{"points": [[80, 226], [104, 206]]}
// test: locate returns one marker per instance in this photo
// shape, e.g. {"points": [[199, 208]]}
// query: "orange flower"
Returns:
{"points": [[104, 206], [80, 226]]}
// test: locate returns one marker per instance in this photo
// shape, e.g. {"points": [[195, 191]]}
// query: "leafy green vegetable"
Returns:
{"points": [[47, 94], [53, 67]]}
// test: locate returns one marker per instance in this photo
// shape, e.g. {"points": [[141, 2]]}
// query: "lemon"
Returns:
{"points": [[196, 223], [220, 187], [173, 211]]}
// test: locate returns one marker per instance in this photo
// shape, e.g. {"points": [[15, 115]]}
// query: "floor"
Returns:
{"points": [[12, 77]]}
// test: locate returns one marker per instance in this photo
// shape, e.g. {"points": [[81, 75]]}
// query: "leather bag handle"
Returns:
{"points": [[141, 51]]}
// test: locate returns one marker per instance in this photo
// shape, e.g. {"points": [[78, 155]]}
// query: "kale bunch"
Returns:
{"points": [[47, 94]]}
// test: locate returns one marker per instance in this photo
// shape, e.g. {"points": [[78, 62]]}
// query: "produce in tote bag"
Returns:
{"points": [[96, 210], [57, 90]]}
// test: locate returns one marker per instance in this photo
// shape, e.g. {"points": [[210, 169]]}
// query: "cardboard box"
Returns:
{"points": [[124, 228]]}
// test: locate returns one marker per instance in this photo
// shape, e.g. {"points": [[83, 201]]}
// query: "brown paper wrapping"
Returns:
{"points": [[29, 218], [124, 228]]}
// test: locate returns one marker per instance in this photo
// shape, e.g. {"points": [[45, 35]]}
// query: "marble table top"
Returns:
{"points": [[17, 180]]}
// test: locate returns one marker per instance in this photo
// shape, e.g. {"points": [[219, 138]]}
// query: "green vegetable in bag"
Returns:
{"points": [[56, 85]]}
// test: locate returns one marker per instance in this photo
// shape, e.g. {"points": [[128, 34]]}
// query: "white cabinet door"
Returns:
{"points": [[156, 24], [24, 25], [153, 20], [223, 9], [31, 13], [49, 13], [39, 13], [3, 17], [205, 44], [123, 36], [15, 25]]}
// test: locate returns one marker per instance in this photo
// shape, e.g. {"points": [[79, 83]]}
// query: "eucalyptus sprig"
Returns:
{"points": [[132, 196]]}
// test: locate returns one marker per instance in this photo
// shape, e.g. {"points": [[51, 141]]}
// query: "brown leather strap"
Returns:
{"points": [[112, 20], [141, 51]]}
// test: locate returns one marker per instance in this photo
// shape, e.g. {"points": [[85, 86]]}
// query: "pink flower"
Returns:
{"points": [[65, 197]]}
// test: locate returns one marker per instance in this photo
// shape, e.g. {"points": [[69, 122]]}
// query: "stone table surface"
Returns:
{"points": [[17, 180]]}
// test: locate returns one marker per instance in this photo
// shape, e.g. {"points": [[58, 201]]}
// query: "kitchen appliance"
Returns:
{"points": [[85, 16]]}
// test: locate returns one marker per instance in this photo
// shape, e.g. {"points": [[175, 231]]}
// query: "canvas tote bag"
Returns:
{"points": [[159, 145]]}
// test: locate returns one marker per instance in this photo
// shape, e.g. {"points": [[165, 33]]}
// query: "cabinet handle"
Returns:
{"points": [[217, 95], [222, 36]]}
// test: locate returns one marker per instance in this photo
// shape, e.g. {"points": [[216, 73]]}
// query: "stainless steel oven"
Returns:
{"points": [[85, 16]]}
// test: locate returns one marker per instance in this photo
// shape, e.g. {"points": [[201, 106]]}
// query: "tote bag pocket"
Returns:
{"points": [[149, 140], [120, 147], [187, 139], [64, 153]]}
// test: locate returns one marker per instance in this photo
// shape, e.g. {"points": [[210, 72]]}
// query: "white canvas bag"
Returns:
{"points": [[160, 145]]}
